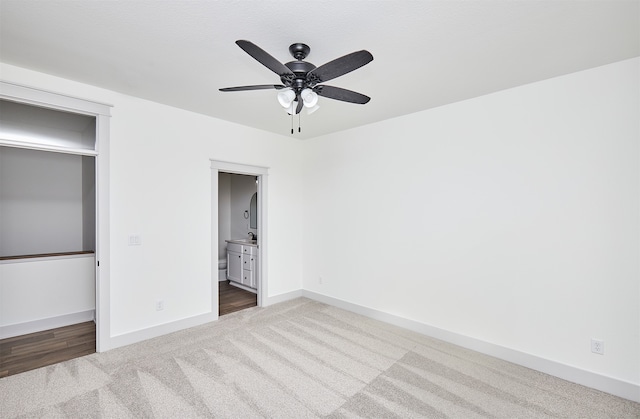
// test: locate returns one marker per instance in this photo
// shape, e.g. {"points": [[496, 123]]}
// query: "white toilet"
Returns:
{"points": [[222, 269]]}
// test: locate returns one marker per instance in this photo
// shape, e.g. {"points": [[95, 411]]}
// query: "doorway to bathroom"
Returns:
{"points": [[237, 241], [238, 236]]}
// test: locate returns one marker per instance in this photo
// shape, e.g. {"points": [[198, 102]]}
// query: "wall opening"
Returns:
{"points": [[221, 182]]}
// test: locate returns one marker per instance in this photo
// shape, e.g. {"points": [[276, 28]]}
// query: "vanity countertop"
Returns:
{"points": [[244, 242]]}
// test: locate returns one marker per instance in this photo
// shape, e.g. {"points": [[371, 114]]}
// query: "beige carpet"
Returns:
{"points": [[298, 359]]}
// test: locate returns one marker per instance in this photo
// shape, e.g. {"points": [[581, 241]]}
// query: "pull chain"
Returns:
{"points": [[299, 118]]}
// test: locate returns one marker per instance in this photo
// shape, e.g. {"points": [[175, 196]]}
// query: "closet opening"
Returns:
{"points": [[47, 257], [49, 245]]}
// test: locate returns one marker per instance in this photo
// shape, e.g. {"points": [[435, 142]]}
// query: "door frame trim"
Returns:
{"points": [[261, 173], [102, 112]]}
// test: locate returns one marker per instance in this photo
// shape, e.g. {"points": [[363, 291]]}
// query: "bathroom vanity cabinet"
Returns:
{"points": [[242, 264]]}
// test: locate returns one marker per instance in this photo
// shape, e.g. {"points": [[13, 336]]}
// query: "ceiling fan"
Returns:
{"points": [[301, 80]]}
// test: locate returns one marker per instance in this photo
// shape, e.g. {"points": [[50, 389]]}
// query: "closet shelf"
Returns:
{"points": [[44, 255]]}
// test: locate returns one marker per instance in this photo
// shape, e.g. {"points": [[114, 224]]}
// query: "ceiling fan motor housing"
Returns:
{"points": [[300, 69]]}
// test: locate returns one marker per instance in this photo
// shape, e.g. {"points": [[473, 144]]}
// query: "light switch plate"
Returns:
{"points": [[135, 240]]}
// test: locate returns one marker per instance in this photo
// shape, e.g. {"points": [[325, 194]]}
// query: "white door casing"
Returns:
{"points": [[261, 173], [102, 112]]}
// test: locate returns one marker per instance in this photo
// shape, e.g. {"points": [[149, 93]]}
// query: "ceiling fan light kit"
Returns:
{"points": [[286, 97], [309, 97], [301, 80]]}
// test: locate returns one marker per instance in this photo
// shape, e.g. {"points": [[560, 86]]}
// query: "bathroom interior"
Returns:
{"points": [[237, 242]]}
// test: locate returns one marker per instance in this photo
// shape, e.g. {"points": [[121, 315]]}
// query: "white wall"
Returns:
{"points": [[160, 188], [40, 202], [42, 293], [511, 218]]}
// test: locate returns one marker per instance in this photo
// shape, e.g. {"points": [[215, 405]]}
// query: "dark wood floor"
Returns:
{"points": [[234, 299], [23, 353]]}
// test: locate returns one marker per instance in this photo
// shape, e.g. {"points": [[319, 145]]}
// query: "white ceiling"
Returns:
{"points": [[426, 53]]}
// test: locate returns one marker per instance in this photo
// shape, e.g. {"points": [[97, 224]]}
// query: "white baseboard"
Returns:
{"points": [[624, 389], [280, 298], [156, 331], [34, 326], [164, 329]]}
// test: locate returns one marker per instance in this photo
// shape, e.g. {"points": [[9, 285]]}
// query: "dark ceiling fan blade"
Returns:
{"points": [[264, 58], [339, 66], [339, 93], [255, 87]]}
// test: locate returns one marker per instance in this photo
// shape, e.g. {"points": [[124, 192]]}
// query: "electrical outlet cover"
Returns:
{"points": [[597, 346]]}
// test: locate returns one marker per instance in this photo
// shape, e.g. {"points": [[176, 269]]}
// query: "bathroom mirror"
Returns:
{"points": [[253, 211]]}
